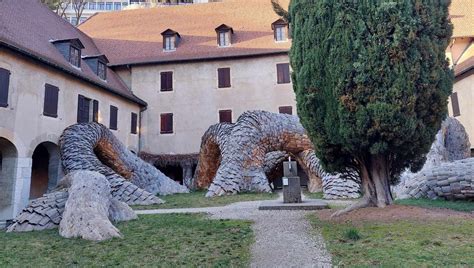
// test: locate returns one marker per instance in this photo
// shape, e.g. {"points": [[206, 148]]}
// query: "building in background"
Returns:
{"points": [[98, 6], [461, 54]]}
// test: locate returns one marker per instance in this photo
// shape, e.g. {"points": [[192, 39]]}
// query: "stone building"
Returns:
{"points": [[461, 54], [51, 76]]}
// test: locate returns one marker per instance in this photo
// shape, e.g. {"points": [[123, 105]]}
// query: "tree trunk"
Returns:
{"points": [[375, 178]]}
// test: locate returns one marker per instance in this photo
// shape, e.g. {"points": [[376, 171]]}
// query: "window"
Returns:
{"points": [[118, 6], [92, 6], [84, 114], [224, 39], [101, 5], [280, 33], [113, 117], [280, 30], [169, 43], [283, 73], [134, 123], [108, 6], [166, 81], [50, 107], [223, 75], [455, 104], [225, 116], [102, 70], [4, 86], [74, 21], [75, 56], [285, 110], [166, 123], [224, 35]]}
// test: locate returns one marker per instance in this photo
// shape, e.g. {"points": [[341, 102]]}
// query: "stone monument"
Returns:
{"points": [[291, 182]]}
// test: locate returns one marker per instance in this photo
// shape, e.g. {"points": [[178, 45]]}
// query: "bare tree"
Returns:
{"points": [[58, 6], [78, 6]]}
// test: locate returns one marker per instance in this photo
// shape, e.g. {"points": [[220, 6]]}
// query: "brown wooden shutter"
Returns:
{"points": [[223, 77], [113, 117], [50, 105], [285, 110], [83, 106], [455, 104], [134, 123], [225, 116], [4, 86], [95, 111], [283, 73], [166, 123], [166, 81]]}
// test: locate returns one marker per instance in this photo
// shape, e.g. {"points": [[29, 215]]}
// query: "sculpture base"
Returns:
{"points": [[307, 204], [291, 190]]}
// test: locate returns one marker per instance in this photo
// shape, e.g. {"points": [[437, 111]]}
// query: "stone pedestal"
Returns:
{"points": [[291, 191], [291, 183]]}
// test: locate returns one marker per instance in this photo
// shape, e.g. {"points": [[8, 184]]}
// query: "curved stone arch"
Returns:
{"points": [[6, 133], [8, 175], [43, 138], [54, 164]]}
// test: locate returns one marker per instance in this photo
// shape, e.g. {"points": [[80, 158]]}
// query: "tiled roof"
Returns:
{"points": [[134, 36], [462, 17], [28, 27]]}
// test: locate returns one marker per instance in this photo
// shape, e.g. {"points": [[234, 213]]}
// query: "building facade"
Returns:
{"points": [[45, 86], [461, 55]]}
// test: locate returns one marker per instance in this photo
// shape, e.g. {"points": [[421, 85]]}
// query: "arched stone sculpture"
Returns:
{"points": [[238, 157], [129, 181], [447, 173]]}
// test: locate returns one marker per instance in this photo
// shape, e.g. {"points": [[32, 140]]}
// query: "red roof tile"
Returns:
{"points": [[28, 27], [134, 36]]}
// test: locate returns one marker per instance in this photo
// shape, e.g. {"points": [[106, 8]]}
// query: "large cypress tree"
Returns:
{"points": [[372, 82]]}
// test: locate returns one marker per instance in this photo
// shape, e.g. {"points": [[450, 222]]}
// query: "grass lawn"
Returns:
{"points": [[198, 199], [152, 241], [309, 195], [398, 243], [427, 203]]}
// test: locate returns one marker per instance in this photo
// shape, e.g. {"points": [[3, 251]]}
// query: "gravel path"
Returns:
{"points": [[283, 238]]}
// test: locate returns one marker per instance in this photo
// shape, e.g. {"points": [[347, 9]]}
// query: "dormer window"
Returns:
{"points": [[224, 35], [75, 56], [280, 30], [98, 65], [170, 40], [102, 70], [70, 49]]}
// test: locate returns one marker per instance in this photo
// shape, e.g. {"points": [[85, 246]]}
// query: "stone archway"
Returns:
{"points": [[46, 169], [8, 169]]}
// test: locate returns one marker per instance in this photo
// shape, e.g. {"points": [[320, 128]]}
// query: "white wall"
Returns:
{"points": [[196, 100]]}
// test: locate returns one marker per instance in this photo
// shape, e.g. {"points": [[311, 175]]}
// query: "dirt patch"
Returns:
{"points": [[393, 213]]}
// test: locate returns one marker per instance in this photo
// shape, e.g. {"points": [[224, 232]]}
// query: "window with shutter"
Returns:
{"points": [[225, 116], [166, 123], [285, 110], [455, 104], [223, 75], [50, 106], [166, 81], [134, 123], [95, 111], [113, 117], [4, 87], [83, 109], [283, 73]]}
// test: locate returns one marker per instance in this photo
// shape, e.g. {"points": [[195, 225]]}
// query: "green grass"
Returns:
{"points": [[466, 206], [197, 199], [400, 243], [152, 241], [309, 195]]}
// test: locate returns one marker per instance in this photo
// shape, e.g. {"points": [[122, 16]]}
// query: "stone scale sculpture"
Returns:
{"points": [[101, 173], [238, 157]]}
